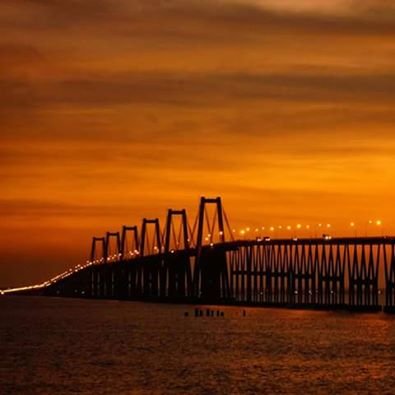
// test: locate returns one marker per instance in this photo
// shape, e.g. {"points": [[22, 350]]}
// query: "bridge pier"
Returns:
{"points": [[151, 273], [211, 277], [178, 277]]}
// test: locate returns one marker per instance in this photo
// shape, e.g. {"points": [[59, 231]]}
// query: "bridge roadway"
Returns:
{"points": [[356, 273]]}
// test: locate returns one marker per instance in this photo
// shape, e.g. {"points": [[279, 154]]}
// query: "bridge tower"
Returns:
{"points": [[211, 272], [129, 250], [149, 269], [97, 278], [112, 255], [127, 273], [176, 276], [93, 255]]}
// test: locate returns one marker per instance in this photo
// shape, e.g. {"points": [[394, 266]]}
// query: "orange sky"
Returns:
{"points": [[115, 110]]}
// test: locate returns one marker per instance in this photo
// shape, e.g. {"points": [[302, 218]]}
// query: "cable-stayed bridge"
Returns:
{"points": [[202, 262]]}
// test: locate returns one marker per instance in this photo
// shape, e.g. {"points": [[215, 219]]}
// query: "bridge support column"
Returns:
{"points": [[213, 275]]}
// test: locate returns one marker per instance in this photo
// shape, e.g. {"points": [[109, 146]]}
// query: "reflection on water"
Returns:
{"points": [[56, 346]]}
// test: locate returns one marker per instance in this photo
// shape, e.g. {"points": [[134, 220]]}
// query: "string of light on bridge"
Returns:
{"points": [[319, 229]]}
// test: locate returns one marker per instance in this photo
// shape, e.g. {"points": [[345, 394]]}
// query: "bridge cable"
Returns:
{"points": [[192, 230], [173, 231], [227, 224], [207, 222], [213, 227], [148, 243], [162, 234], [180, 227], [154, 241]]}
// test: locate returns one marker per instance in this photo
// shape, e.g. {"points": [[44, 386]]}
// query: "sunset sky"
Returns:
{"points": [[115, 110]]}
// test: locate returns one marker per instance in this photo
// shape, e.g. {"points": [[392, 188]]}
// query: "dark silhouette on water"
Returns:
{"points": [[203, 263]]}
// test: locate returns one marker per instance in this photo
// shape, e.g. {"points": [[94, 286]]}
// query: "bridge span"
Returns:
{"points": [[203, 263]]}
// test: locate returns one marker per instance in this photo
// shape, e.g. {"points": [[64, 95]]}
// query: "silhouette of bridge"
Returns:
{"points": [[203, 263]]}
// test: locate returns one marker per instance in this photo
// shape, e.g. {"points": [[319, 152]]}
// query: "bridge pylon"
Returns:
{"points": [[97, 278], [210, 279], [127, 273], [93, 254], [176, 276], [112, 255], [149, 270], [128, 251]]}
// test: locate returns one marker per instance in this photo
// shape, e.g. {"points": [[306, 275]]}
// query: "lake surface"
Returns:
{"points": [[64, 346]]}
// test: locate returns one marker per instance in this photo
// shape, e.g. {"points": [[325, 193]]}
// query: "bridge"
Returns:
{"points": [[204, 263]]}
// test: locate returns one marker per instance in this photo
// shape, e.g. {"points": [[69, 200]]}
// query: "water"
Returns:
{"points": [[62, 346]]}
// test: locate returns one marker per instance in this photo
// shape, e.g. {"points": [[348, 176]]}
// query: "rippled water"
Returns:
{"points": [[57, 346]]}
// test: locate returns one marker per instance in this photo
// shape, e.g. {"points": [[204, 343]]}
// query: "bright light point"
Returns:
{"points": [[378, 222], [298, 226], [289, 227], [280, 227], [307, 226], [256, 229], [328, 225], [271, 228], [247, 229], [352, 224], [242, 232]]}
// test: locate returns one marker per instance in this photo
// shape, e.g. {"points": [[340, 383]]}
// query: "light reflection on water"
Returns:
{"points": [[51, 345]]}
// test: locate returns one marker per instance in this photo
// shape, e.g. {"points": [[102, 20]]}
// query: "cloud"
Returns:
{"points": [[202, 20], [194, 89], [50, 208]]}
